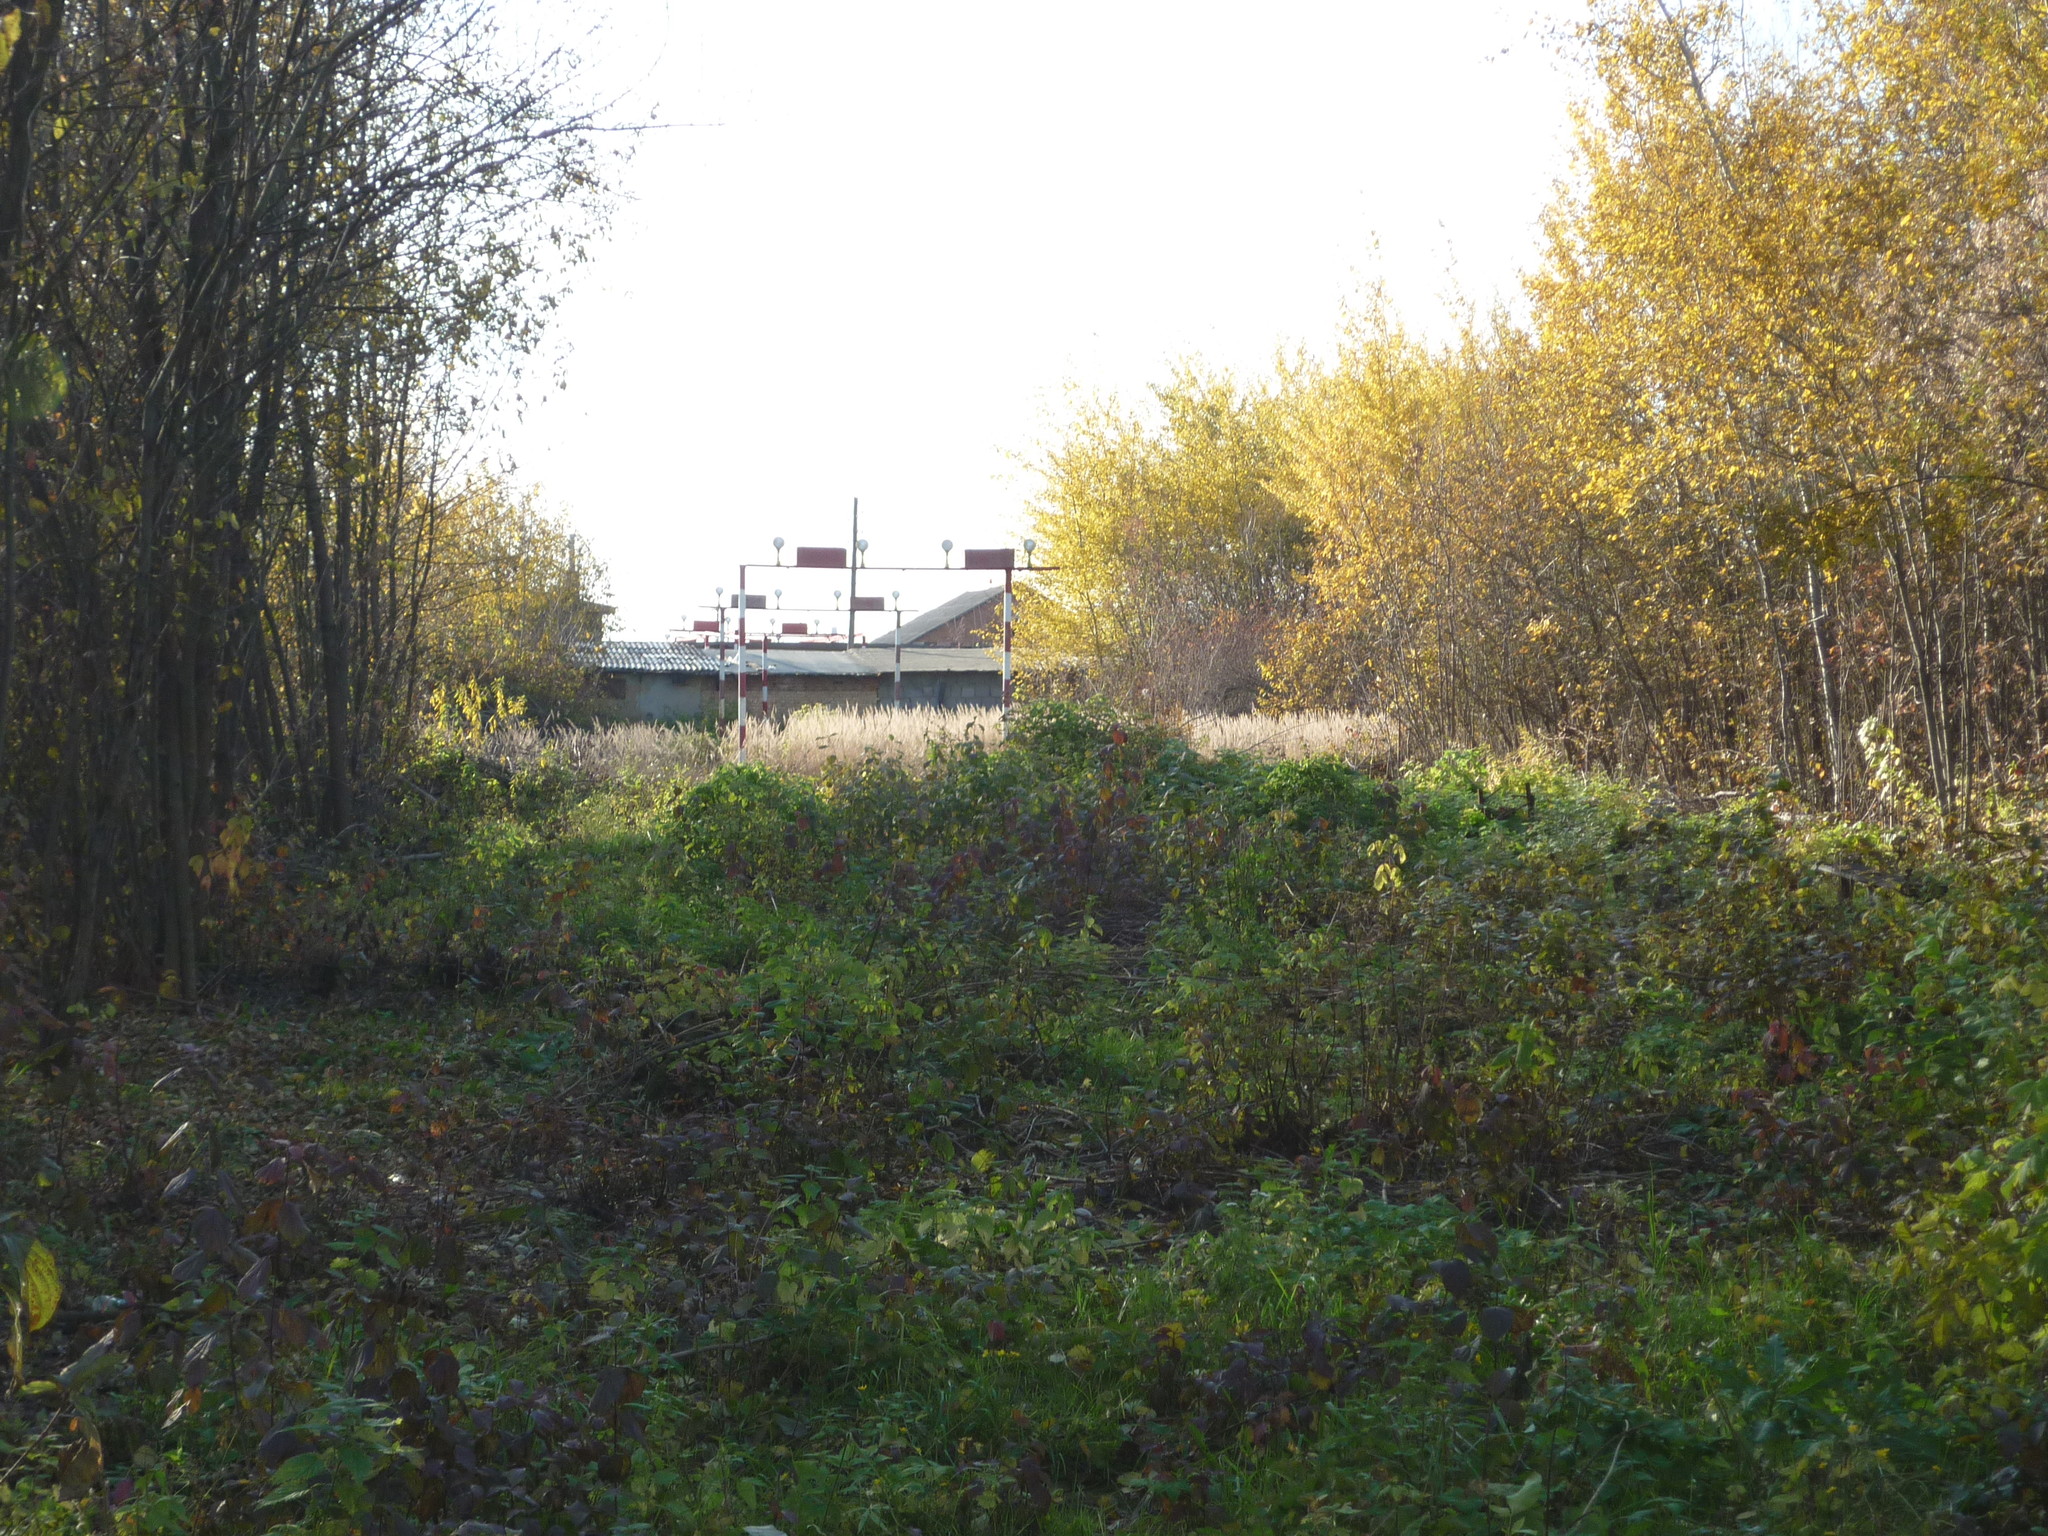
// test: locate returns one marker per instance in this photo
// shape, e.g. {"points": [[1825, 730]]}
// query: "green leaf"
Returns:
{"points": [[96, 1363], [1526, 1497], [300, 1470], [32, 379], [40, 1290]]}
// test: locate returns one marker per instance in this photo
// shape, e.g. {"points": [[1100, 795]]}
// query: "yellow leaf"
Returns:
{"points": [[40, 1290]]}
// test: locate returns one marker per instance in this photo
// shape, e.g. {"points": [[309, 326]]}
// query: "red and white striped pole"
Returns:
{"points": [[741, 669], [1008, 573]]}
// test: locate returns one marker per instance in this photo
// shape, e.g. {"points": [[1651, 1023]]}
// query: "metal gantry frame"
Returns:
{"points": [[852, 560]]}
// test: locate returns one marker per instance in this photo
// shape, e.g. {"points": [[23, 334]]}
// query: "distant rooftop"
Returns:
{"points": [[680, 656], [648, 656], [871, 661], [935, 618]]}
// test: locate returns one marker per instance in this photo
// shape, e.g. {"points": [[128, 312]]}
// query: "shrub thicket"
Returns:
{"points": [[1072, 1133]]}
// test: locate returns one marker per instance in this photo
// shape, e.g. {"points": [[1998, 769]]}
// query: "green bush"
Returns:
{"points": [[1068, 1132]]}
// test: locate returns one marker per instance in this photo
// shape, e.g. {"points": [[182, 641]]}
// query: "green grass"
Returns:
{"points": [[1078, 1136]]}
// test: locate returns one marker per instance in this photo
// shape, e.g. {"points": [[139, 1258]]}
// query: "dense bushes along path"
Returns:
{"points": [[1073, 1136]]}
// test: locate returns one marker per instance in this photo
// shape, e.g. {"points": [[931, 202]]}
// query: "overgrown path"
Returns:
{"points": [[1084, 1135]]}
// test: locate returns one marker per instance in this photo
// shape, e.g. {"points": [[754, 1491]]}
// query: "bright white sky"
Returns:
{"points": [[916, 226]]}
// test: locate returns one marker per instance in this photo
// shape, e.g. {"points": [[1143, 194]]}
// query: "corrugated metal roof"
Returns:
{"points": [[649, 656]]}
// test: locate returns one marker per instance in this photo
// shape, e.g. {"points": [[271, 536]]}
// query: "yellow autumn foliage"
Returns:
{"points": [[1173, 555], [514, 596], [1754, 474]]}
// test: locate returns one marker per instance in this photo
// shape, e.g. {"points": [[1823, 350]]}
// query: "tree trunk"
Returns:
{"points": [[332, 642]]}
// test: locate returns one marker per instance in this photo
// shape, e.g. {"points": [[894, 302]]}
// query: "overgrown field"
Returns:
{"points": [[806, 740], [1076, 1136]]}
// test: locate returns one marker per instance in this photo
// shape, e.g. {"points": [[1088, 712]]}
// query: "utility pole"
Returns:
{"points": [[852, 573], [898, 596], [718, 718]]}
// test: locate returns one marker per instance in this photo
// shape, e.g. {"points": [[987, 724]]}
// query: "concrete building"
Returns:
{"points": [[864, 677], [656, 679], [943, 668]]}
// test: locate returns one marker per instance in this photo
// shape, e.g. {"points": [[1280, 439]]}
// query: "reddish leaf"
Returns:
{"points": [[255, 1381], [196, 1356], [611, 1391], [444, 1372], [210, 1230], [1456, 1275], [253, 1282], [448, 1258], [281, 1445], [1477, 1241]]}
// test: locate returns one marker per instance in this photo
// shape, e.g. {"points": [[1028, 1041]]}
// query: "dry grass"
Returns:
{"points": [[656, 753], [1367, 740], [805, 741]]}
